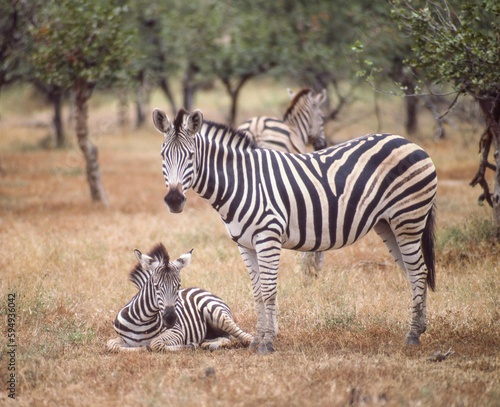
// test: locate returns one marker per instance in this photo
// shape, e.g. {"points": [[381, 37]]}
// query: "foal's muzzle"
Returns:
{"points": [[169, 317]]}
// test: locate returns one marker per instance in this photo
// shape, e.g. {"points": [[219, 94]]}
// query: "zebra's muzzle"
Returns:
{"points": [[169, 317], [175, 200], [319, 144]]}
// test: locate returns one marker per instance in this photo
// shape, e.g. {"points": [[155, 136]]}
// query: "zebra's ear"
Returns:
{"points": [[320, 97], [194, 122], [144, 260], [291, 93], [161, 121], [183, 261]]}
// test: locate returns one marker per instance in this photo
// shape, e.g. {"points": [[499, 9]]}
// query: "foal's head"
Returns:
{"points": [[163, 279]]}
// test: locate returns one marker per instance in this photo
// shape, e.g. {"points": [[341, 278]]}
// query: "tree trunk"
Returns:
{"points": [[189, 90], [56, 96], [411, 103], [165, 87], [233, 94], [82, 94], [491, 109], [123, 120]]}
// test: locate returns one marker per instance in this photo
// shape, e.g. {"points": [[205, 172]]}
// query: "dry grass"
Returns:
{"points": [[341, 336]]}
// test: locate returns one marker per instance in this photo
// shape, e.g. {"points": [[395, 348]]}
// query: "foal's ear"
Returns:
{"points": [[183, 261], [291, 93], [161, 121], [144, 260], [194, 122], [320, 97]]}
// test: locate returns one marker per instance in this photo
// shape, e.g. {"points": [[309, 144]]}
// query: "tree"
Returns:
{"points": [[250, 46], [461, 46], [318, 38], [81, 46]]}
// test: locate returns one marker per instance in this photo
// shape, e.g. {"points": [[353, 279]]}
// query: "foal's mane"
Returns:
{"points": [[295, 100], [139, 275]]}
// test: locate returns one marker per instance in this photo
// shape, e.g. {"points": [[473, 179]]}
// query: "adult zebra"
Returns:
{"points": [[302, 125], [165, 318], [328, 199]]}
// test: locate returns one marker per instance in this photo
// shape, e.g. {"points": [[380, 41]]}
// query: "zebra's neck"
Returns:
{"points": [[144, 306], [298, 119], [221, 151]]}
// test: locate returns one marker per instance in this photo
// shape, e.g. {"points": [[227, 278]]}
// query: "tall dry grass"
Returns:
{"points": [[341, 335]]}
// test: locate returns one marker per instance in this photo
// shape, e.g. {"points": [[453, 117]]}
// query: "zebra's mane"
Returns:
{"points": [[227, 131], [139, 275], [295, 100]]}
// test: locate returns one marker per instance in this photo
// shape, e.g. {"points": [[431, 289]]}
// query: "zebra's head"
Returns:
{"points": [[178, 154], [310, 105], [164, 279]]}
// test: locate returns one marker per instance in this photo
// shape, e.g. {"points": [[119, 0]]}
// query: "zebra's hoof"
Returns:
{"points": [[266, 348], [255, 343], [412, 340]]}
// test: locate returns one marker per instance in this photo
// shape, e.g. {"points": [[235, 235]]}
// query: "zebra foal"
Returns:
{"points": [[164, 318], [324, 200], [302, 125]]}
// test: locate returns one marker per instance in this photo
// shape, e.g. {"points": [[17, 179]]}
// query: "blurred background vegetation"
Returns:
{"points": [[432, 53]]}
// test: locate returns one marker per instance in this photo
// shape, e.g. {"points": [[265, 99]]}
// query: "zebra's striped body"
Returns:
{"points": [[302, 125], [324, 200], [198, 316]]}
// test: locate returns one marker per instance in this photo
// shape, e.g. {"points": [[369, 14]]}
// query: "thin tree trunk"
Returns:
{"points": [[233, 94], [123, 120], [56, 97], [82, 94], [165, 87], [491, 108], [411, 103]]}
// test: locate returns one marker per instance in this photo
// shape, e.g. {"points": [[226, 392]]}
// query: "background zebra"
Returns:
{"points": [[318, 201], [165, 318], [302, 125]]}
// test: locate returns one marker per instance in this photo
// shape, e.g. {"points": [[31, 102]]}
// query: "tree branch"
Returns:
{"points": [[479, 178]]}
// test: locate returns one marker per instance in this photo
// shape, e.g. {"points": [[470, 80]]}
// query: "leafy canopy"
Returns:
{"points": [[71, 39], [460, 46]]}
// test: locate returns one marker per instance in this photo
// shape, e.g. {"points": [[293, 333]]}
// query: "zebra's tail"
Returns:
{"points": [[428, 248]]}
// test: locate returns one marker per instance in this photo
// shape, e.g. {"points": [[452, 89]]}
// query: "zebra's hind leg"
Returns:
{"points": [[408, 256], [383, 229], [119, 345], [310, 264], [216, 344], [221, 325]]}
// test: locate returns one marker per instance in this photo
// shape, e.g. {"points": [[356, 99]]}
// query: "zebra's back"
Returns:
{"points": [[333, 197]]}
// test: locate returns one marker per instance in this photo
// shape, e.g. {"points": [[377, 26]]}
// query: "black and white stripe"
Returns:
{"points": [[302, 125], [165, 318], [328, 199]]}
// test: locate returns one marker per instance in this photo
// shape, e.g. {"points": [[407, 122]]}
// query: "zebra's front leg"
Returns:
{"points": [[268, 255], [250, 259]]}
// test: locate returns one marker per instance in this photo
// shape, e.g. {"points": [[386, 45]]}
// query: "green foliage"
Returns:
{"points": [[71, 40], [471, 239], [456, 45]]}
